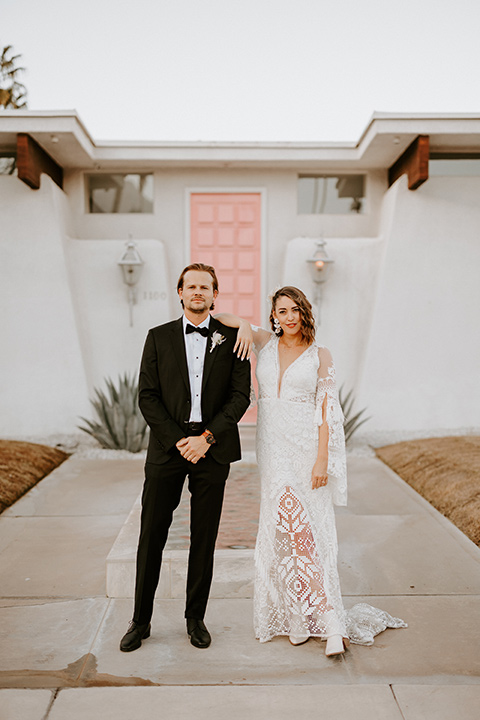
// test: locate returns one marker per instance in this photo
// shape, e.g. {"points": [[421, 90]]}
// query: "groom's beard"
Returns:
{"points": [[196, 308]]}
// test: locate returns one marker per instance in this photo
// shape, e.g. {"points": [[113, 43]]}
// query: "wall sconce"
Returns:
{"points": [[131, 265], [321, 267]]}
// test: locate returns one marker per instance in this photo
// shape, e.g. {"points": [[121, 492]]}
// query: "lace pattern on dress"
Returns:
{"points": [[299, 592], [365, 621], [327, 390], [297, 588]]}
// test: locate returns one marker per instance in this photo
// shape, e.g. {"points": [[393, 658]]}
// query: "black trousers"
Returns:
{"points": [[162, 491]]}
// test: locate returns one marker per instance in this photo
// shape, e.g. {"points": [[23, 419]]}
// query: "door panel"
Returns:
{"points": [[226, 233]]}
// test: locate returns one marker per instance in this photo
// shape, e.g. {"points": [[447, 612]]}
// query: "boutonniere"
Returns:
{"points": [[217, 339]]}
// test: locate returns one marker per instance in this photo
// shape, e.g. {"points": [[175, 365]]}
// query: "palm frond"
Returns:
{"points": [[14, 92]]}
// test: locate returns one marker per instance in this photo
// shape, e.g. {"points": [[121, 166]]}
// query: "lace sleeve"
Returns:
{"points": [[327, 394]]}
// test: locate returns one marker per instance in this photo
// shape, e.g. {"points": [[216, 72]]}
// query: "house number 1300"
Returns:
{"points": [[154, 295]]}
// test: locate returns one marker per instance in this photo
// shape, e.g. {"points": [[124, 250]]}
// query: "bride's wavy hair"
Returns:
{"points": [[298, 297]]}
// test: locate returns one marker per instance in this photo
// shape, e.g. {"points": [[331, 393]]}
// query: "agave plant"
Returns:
{"points": [[121, 425], [351, 422]]}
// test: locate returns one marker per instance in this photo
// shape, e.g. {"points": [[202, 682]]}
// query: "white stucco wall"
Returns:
{"points": [[422, 365], [109, 345], [399, 311], [347, 297], [64, 309], [42, 379], [168, 222]]}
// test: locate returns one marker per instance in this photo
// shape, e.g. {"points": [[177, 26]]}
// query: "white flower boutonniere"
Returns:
{"points": [[217, 339]]}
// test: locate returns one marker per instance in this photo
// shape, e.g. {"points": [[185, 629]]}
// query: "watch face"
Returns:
{"points": [[210, 439]]}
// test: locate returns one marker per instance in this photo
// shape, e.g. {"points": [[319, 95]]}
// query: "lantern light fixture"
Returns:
{"points": [[321, 267], [131, 265]]}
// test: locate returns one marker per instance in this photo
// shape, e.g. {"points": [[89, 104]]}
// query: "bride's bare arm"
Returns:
{"points": [[244, 344], [320, 469], [248, 335]]}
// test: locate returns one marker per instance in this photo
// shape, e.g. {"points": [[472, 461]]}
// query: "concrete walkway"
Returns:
{"points": [[59, 633]]}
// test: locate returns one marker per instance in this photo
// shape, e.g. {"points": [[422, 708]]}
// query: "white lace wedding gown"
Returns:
{"points": [[297, 589]]}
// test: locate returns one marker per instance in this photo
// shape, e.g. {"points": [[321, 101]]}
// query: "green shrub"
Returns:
{"points": [[351, 422], [120, 424]]}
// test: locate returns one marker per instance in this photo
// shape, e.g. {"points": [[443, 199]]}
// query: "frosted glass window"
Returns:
{"points": [[120, 193], [330, 194], [454, 165], [8, 165]]}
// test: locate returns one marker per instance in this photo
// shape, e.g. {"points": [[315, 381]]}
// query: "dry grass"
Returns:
{"points": [[446, 472], [22, 465]]}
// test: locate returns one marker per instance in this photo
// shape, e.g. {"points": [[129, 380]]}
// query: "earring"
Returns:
{"points": [[277, 327]]}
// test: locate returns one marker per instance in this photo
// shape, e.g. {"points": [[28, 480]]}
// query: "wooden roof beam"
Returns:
{"points": [[413, 162], [32, 161]]}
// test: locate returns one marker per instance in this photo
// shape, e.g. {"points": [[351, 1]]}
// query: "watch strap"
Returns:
{"points": [[208, 437]]}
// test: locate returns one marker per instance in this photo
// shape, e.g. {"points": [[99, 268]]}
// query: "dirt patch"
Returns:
{"points": [[81, 673], [22, 465], [446, 472]]}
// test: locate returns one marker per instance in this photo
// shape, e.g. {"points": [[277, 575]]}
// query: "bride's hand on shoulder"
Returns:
{"points": [[320, 473], [244, 345]]}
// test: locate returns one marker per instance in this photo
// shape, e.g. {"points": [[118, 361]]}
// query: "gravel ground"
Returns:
{"points": [[361, 445]]}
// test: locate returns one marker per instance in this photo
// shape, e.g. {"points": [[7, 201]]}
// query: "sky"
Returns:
{"points": [[244, 70]]}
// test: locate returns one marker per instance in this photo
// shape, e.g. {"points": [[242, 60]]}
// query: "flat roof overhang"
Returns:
{"points": [[64, 137]]}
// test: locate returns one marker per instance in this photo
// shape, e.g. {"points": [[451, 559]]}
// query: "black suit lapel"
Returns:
{"points": [[178, 344], [210, 356]]}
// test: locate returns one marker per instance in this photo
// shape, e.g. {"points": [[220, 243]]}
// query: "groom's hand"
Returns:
{"points": [[193, 448]]}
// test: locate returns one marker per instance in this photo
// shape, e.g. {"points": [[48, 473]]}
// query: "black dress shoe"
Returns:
{"points": [[198, 633], [134, 636]]}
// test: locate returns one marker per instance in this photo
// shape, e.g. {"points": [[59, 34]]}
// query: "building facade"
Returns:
{"points": [[399, 211]]}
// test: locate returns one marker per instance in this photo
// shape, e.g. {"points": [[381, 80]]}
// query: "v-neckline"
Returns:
{"points": [[280, 379]]}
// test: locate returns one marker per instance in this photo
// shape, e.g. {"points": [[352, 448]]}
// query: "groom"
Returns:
{"points": [[193, 390]]}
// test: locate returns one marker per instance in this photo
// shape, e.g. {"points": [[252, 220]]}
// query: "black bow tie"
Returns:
{"points": [[202, 330]]}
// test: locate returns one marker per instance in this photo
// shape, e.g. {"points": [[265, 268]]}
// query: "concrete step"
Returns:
{"points": [[233, 574]]}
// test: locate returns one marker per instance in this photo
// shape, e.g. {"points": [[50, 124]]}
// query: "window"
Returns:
{"points": [[120, 193], [459, 164], [330, 194], [8, 164]]}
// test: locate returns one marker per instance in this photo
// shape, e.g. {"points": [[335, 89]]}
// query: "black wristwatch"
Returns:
{"points": [[208, 437]]}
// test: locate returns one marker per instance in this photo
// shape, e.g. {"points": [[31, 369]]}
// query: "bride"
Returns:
{"points": [[301, 459]]}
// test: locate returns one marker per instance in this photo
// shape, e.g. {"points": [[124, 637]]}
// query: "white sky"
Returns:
{"points": [[244, 69]]}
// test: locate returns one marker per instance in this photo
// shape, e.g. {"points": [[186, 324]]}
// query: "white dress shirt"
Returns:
{"points": [[195, 346]]}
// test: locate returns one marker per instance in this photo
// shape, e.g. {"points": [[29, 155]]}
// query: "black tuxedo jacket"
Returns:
{"points": [[164, 391]]}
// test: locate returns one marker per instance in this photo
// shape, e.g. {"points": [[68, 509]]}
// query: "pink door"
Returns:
{"points": [[226, 233]]}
